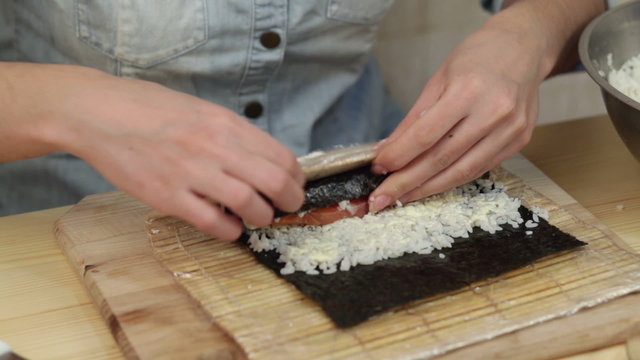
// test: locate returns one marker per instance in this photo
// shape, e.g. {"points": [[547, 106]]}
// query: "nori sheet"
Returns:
{"points": [[351, 297], [333, 189]]}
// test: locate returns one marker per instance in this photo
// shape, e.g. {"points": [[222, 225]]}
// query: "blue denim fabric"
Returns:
{"points": [[492, 5], [496, 5], [318, 88], [613, 3]]}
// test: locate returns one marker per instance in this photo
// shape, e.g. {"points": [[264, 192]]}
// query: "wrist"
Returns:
{"points": [[25, 126], [556, 23], [40, 104], [528, 36]]}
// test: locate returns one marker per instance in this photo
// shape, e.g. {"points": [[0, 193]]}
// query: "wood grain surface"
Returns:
{"points": [[148, 315], [99, 235], [231, 285], [588, 159], [45, 312]]}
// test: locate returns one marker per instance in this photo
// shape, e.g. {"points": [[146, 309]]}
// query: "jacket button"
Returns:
{"points": [[253, 110], [270, 40]]}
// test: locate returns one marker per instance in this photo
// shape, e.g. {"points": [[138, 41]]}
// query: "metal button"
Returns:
{"points": [[253, 110], [270, 40]]}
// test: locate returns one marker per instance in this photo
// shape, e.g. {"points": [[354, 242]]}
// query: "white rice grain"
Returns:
{"points": [[627, 78], [540, 212], [419, 227], [346, 205]]}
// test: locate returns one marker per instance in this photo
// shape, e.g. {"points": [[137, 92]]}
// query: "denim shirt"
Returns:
{"points": [[496, 5], [299, 69]]}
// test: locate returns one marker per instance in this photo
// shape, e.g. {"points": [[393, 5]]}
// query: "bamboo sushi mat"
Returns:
{"points": [[270, 319]]}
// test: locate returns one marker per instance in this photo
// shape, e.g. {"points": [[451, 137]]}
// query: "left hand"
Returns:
{"points": [[478, 109]]}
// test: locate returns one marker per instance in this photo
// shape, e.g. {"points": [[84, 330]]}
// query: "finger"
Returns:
{"points": [[264, 145], [205, 216], [279, 186], [284, 159], [237, 195], [421, 135], [488, 153], [429, 96], [448, 150], [445, 182], [244, 136]]}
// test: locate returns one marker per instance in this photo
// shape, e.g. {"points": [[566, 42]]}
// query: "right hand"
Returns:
{"points": [[175, 152]]}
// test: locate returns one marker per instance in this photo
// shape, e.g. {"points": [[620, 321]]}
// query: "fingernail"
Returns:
{"points": [[379, 144], [404, 199], [379, 202], [379, 169]]}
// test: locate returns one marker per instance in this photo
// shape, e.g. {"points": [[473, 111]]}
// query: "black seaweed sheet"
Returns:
{"points": [[333, 189], [344, 186], [351, 297]]}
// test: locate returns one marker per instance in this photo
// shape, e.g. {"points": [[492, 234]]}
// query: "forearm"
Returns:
{"points": [[556, 24], [32, 97], [139, 135]]}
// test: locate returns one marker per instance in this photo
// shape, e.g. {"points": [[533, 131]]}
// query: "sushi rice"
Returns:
{"points": [[627, 78], [418, 227]]}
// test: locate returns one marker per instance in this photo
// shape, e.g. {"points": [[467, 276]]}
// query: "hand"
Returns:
{"points": [[175, 152], [478, 109]]}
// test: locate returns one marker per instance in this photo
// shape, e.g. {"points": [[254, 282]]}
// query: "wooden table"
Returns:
{"points": [[45, 313]]}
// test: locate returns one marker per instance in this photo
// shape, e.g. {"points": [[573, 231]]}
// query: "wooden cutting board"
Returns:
{"points": [[152, 317]]}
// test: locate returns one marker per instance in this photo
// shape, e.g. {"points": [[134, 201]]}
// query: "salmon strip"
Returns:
{"points": [[323, 216]]}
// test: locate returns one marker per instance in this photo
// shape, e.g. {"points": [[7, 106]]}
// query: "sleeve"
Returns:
{"points": [[613, 3], [495, 5]]}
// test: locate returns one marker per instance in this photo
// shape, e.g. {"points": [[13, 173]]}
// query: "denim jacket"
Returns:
{"points": [[299, 69]]}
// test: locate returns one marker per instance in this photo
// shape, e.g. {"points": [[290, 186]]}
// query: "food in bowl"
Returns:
{"points": [[627, 78], [615, 32]]}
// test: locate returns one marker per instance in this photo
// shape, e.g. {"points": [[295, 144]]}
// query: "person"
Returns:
{"points": [[187, 105]]}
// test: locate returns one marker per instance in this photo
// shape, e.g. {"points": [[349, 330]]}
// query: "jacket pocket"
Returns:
{"points": [[358, 11], [142, 32]]}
